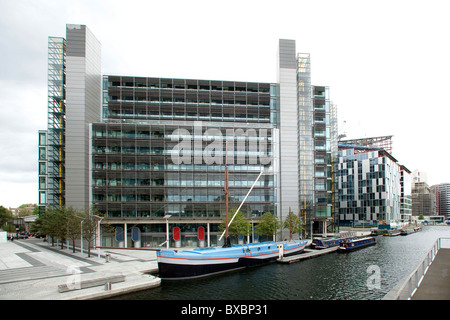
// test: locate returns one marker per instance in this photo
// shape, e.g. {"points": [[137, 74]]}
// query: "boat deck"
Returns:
{"points": [[308, 253]]}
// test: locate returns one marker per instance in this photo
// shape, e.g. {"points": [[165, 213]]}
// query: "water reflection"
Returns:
{"points": [[330, 277]]}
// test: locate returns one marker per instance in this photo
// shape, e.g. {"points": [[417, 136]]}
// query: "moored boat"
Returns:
{"points": [[355, 244], [392, 233], [323, 243], [405, 232], [200, 262]]}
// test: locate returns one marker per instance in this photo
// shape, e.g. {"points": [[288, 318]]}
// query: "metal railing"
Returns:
{"points": [[409, 285]]}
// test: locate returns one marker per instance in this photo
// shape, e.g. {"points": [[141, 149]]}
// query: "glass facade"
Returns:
{"points": [[369, 187], [160, 150], [56, 122], [153, 156], [325, 157], [306, 138]]}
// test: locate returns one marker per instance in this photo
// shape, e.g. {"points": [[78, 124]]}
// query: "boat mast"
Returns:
{"points": [[245, 198], [226, 191]]}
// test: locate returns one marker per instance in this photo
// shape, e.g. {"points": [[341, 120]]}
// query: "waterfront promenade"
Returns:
{"points": [[430, 280], [34, 270], [436, 282]]}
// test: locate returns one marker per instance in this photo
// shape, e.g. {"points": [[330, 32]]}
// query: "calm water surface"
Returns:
{"points": [[333, 276]]}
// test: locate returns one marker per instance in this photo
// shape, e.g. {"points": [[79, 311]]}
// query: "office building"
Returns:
{"points": [[442, 192], [149, 152], [423, 199], [373, 187]]}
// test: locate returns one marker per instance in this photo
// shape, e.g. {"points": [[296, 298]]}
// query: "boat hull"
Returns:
{"points": [[209, 261]]}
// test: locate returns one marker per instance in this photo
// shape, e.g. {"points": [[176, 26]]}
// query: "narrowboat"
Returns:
{"points": [[355, 244], [323, 243]]}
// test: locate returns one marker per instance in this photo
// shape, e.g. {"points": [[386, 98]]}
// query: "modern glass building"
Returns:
{"points": [[325, 161], [373, 187], [160, 151], [149, 153]]}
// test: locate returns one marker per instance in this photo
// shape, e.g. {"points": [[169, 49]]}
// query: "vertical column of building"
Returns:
{"points": [[306, 143], [83, 104], [289, 164], [42, 170], [56, 122], [334, 164], [323, 141]]}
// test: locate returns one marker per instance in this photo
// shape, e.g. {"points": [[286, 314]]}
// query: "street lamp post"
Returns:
{"points": [[82, 237], [99, 238]]}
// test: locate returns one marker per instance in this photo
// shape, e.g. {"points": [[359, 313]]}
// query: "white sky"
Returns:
{"points": [[387, 64]]}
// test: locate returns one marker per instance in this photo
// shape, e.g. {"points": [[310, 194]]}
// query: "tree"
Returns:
{"points": [[239, 226], [54, 224], [90, 226], [293, 224], [5, 216], [268, 225], [65, 223], [74, 218]]}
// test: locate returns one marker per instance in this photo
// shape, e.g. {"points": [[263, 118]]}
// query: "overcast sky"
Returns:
{"points": [[387, 64]]}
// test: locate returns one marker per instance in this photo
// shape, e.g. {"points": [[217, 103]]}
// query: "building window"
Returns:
{"points": [[42, 198], [42, 168], [42, 139]]}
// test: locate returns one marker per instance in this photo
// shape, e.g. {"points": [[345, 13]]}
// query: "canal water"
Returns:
{"points": [[334, 276]]}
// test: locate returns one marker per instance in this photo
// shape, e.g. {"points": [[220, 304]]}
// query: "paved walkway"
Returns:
{"points": [[436, 282], [34, 270]]}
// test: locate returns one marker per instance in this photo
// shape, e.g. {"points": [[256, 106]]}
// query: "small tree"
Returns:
{"points": [[293, 224], [74, 218], [268, 225], [53, 222], [239, 225], [5, 216], [90, 226]]}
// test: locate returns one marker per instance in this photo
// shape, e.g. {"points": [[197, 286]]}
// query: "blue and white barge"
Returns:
{"points": [[202, 262]]}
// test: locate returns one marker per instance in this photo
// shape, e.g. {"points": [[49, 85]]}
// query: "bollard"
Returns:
{"points": [[108, 286], [280, 250], [107, 257]]}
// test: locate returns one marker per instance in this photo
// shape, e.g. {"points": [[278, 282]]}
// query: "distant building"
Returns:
{"points": [[419, 176], [373, 187], [405, 195], [423, 199], [442, 192]]}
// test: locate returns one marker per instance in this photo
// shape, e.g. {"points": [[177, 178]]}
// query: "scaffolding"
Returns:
{"points": [[56, 121], [384, 142]]}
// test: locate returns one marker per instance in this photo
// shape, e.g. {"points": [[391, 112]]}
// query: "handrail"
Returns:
{"points": [[406, 288]]}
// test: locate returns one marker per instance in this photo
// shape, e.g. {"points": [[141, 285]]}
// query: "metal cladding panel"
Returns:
{"points": [[287, 54], [76, 36], [289, 189], [83, 105]]}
